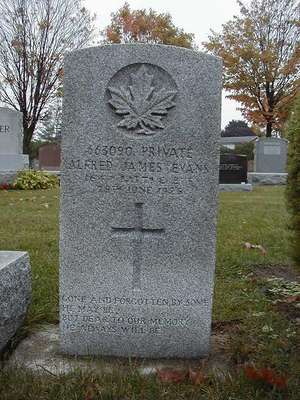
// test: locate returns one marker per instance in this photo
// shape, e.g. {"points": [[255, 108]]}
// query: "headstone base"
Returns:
{"points": [[264, 178], [235, 187], [13, 162], [51, 172], [39, 353]]}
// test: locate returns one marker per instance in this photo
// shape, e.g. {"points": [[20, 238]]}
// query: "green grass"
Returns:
{"points": [[265, 336], [80, 386], [29, 222]]}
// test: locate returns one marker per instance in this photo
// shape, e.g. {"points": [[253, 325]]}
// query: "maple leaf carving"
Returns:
{"points": [[141, 105]]}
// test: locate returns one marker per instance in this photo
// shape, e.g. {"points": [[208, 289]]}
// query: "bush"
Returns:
{"points": [[293, 182], [246, 149], [32, 180]]}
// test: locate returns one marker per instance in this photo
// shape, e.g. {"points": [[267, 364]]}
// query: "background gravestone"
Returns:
{"points": [[271, 155], [139, 200], [11, 139], [233, 168], [15, 292], [49, 157]]}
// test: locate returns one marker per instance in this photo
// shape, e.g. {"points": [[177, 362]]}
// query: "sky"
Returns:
{"points": [[194, 16]]}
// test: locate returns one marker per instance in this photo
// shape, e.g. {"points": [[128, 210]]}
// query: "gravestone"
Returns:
{"points": [[15, 292], [49, 157], [10, 131], [138, 201], [233, 169], [271, 155], [11, 138]]}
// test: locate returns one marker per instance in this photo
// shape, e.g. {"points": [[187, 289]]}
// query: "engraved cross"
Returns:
{"points": [[137, 233]]}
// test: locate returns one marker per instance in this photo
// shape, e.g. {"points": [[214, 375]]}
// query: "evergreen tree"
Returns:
{"points": [[237, 128], [293, 183], [50, 127]]}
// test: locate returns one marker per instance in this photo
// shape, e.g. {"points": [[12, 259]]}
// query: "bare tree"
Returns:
{"points": [[34, 35]]}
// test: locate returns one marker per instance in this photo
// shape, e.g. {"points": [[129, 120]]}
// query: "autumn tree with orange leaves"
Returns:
{"points": [[145, 26], [261, 54], [34, 35]]}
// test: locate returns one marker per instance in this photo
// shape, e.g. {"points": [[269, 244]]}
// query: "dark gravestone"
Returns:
{"points": [[49, 157], [233, 168]]}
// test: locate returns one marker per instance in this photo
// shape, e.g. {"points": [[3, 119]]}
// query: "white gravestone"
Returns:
{"points": [[11, 142]]}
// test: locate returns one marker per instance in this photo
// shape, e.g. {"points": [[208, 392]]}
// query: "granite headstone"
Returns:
{"points": [[11, 140], [271, 155], [15, 292], [139, 192], [10, 131], [233, 168]]}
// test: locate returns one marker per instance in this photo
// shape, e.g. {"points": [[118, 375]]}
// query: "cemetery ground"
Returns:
{"points": [[255, 318]]}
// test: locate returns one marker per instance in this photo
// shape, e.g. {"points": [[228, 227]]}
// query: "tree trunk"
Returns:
{"points": [[27, 136], [269, 129]]}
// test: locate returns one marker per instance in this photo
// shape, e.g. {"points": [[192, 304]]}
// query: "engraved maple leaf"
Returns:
{"points": [[140, 104]]}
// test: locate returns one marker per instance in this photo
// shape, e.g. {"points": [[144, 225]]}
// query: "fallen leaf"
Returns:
{"points": [[280, 382], [270, 376], [90, 394], [262, 250], [197, 377], [249, 246], [251, 373], [171, 376], [291, 299], [266, 375]]}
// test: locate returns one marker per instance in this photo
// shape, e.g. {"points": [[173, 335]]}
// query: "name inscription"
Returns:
{"points": [[4, 129], [139, 168], [230, 167]]}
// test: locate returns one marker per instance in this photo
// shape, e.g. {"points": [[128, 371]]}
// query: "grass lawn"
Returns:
{"points": [[262, 314]]}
